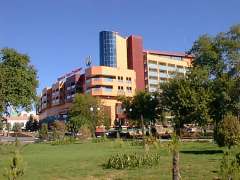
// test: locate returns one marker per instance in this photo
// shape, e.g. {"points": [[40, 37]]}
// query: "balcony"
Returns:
{"points": [[151, 81], [99, 81], [163, 75], [171, 68], [181, 70], [151, 73], [154, 66], [161, 67], [102, 89]]}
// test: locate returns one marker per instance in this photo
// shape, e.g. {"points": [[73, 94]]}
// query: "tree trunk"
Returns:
{"points": [[142, 125], [175, 168]]}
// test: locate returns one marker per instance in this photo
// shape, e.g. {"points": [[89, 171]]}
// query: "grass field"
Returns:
{"points": [[84, 160]]}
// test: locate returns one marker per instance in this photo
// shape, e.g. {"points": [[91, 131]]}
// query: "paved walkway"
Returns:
{"points": [[21, 139]]}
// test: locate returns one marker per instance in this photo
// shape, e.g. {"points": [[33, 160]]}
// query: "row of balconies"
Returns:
{"points": [[108, 91], [105, 80], [170, 68]]}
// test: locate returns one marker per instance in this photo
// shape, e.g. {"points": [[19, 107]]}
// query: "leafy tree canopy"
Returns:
{"points": [[143, 103], [188, 98], [221, 56], [86, 111], [18, 81]]}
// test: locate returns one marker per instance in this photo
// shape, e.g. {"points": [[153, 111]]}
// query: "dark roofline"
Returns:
{"points": [[165, 53]]}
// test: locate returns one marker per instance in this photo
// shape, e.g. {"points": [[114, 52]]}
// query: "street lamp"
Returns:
{"points": [[92, 108]]}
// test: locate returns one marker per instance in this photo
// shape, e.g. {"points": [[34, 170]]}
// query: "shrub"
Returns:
{"points": [[43, 132], [230, 165], [123, 161], [59, 129], [16, 168], [63, 141], [228, 132]]}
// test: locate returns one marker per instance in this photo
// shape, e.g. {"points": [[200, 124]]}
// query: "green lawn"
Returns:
{"points": [[84, 160]]}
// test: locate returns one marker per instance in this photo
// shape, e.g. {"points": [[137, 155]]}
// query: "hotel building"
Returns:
{"points": [[125, 68], [161, 66]]}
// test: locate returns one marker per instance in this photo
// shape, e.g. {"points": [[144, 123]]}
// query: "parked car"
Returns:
{"points": [[100, 131], [166, 136], [112, 133]]}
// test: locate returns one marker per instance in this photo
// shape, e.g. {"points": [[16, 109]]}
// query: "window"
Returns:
{"points": [[120, 78], [120, 88], [162, 71], [171, 65]]}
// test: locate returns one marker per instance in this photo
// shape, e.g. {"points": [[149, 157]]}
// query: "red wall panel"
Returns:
{"points": [[135, 60]]}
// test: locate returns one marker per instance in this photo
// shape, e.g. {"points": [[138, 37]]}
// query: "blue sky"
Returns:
{"points": [[59, 34]]}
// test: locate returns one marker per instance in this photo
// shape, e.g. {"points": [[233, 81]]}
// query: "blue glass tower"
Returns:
{"points": [[107, 43]]}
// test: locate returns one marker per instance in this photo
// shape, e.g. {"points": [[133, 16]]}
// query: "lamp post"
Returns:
{"points": [[94, 121]]}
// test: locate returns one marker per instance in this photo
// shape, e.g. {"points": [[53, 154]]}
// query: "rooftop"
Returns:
{"points": [[167, 53]]}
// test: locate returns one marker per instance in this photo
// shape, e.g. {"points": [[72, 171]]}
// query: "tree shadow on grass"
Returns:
{"points": [[203, 152]]}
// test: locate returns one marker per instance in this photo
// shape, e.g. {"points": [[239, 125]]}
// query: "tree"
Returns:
{"points": [[187, 98], [74, 124], [85, 111], [32, 124], [143, 106], [1, 124], [174, 148], [228, 133], [18, 81], [221, 56]]}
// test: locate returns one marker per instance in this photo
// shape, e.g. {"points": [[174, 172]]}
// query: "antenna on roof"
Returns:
{"points": [[88, 61]]}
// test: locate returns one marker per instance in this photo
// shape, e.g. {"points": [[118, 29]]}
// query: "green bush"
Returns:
{"points": [[123, 161], [43, 132], [16, 168], [230, 165], [63, 141], [228, 132]]}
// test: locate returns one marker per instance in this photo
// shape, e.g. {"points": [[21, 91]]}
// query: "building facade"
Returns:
{"points": [[162, 66], [20, 118], [108, 84], [125, 68], [57, 99]]}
